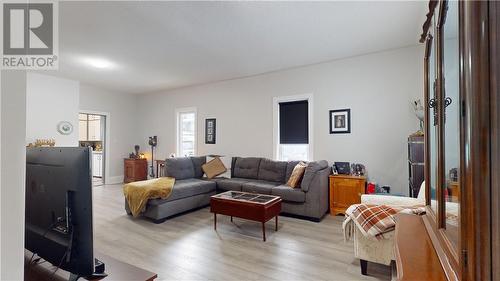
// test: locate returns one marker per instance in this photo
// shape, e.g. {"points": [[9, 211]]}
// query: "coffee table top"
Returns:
{"points": [[247, 197]]}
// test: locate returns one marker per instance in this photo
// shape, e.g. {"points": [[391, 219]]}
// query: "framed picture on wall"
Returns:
{"points": [[210, 130], [340, 121]]}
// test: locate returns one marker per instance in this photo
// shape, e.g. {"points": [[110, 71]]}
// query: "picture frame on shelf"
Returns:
{"points": [[210, 130], [340, 121]]}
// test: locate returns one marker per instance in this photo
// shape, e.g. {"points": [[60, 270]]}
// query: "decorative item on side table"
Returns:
{"points": [[342, 168], [345, 190], [419, 113], [210, 130], [358, 169], [453, 186], [340, 121], [136, 155], [153, 141], [43, 143]]}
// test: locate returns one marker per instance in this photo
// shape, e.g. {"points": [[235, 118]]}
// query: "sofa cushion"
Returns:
{"points": [[247, 168], [186, 188], [270, 170], [214, 168], [259, 186], [289, 194], [231, 184], [311, 169], [297, 174], [198, 161], [179, 168], [290, 165]]}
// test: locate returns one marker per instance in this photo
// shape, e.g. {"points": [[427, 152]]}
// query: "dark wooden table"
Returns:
{"points": [[250, 206], [116, 270]]}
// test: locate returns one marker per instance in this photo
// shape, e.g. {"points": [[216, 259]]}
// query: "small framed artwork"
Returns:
{"points": [[210, 130], [340, 121]]}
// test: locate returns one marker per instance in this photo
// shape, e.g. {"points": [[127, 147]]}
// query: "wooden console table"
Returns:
{"points": [[116, 270]]}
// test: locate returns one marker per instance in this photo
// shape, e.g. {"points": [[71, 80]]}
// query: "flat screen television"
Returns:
{"points": [[58, 219]]}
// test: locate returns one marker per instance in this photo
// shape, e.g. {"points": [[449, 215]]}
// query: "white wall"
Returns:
{"points": [[13, 170], [1, 92], [122, 109], [378, 88], [51, 100]]}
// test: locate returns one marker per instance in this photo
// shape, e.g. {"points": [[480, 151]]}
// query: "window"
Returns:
{"points": [[290, 152], [292, 133], [186, 132]]}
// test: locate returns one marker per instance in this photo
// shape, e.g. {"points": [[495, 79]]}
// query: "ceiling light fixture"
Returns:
{"points": [[99, 63]]}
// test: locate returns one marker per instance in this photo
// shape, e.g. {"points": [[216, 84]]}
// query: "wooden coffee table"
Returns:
{"points": [[250, 206]]}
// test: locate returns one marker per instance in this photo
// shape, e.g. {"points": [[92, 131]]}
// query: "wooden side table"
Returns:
{"points": [[135, 170], [345, 190], [160, 168], [454, 191]]}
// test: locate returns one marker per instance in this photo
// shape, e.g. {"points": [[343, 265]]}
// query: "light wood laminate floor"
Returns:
{"points": [[186, 247]]}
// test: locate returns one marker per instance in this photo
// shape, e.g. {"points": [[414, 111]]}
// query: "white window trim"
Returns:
{"points": [[178, 111], [276, 123]]}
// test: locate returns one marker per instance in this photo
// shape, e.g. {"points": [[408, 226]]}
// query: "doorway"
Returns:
{"points": [[92, 133]]}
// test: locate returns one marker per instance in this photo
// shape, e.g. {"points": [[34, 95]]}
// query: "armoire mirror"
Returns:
{"points": [[451, 98], [431, 103], [443, 127]]}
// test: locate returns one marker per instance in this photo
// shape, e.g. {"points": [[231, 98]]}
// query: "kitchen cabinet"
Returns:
{"points": [[97, 162], [94, 130], [90, 127], [82, 127]]}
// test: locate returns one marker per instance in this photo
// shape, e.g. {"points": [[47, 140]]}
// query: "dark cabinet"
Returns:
{"points": [[415, 164], [135, 170]]}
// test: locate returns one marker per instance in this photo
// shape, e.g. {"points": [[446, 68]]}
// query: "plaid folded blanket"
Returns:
{"points": [[374, 220]]}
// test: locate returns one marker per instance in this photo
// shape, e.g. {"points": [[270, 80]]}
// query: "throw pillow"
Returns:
{"points": [[297, 173], [214, 168]]}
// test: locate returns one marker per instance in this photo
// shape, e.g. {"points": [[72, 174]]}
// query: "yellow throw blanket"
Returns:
{"points": [[138, 193]]}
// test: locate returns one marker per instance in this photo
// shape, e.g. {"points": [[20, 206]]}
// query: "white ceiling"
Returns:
{"points": [[165, 45]]}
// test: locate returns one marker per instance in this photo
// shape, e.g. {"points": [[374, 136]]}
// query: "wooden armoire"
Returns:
{"points": [[459, 235]]}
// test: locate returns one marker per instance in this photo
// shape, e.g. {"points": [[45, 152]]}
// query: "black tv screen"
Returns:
{"points": [[58, 219]]}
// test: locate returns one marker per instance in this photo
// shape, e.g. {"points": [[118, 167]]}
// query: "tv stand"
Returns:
{"points": [[74, 277], [99, 272], [115, 271]]}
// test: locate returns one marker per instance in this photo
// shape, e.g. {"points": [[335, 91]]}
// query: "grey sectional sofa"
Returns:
{"points": [[190, 190], [261, 175], [250, 174]]}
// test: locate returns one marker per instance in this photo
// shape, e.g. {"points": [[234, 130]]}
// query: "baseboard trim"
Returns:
{"points": [[114, 180]]}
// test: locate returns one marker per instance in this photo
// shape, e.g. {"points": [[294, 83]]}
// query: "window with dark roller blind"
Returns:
{"points": [[294, 123]]}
